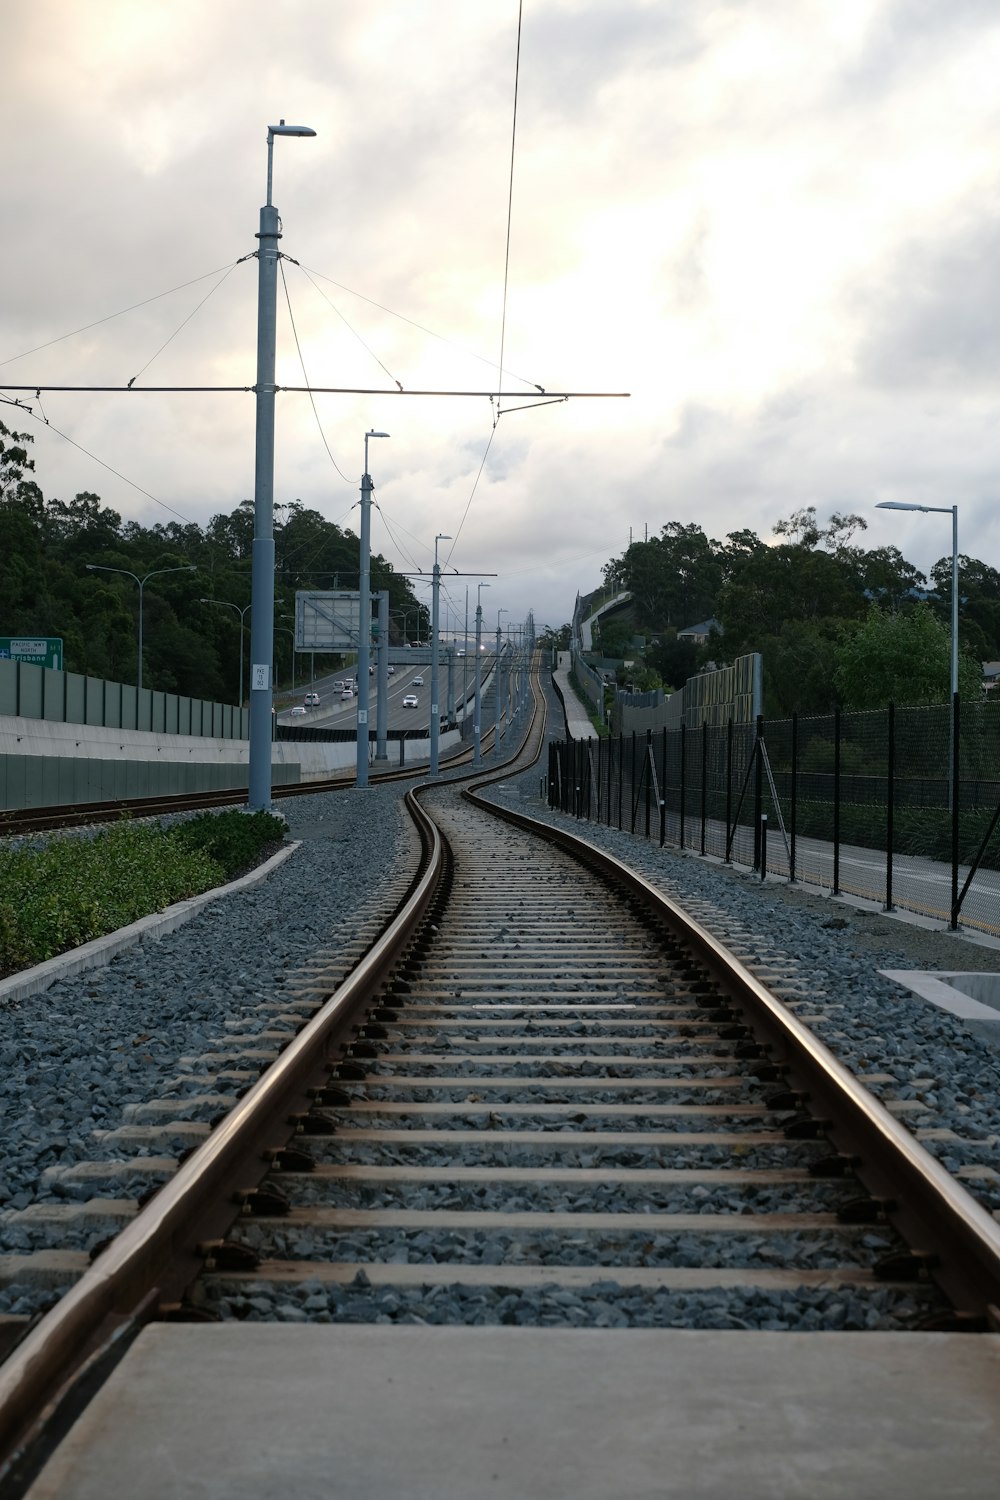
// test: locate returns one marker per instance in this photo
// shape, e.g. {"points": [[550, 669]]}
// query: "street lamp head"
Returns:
{"points": [[898, 505], [284, 129], [373, 433]]}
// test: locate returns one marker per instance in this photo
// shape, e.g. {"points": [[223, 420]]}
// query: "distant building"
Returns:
{"points": [[700, 633]]}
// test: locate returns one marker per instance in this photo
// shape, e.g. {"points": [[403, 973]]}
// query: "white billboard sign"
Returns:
{"points": [[327, 621]]}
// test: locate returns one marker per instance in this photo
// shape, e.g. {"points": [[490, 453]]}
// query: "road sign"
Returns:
{"points": [[327, 621], [41, 651]]}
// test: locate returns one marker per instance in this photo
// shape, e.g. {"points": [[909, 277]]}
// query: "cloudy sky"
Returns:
{"points": [[773, 222]]}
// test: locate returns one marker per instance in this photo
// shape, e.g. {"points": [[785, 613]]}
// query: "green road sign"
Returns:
{"points": [[41, 651]]}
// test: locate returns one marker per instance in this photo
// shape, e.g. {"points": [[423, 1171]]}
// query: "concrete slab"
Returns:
{"points": [[416, 1413], [972, 998]]}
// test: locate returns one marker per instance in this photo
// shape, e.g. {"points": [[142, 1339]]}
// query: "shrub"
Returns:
{"points": [[65, 892]]}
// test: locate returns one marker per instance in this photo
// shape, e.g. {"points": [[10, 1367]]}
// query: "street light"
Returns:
{"points": [[496, 692], [100, 568], [435, 626], [228, 604], [477, 759], [944, 510], [262, 573], [365, 611]]}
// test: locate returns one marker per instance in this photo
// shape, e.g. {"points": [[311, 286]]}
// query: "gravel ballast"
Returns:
{"points": [[89, 1053]]}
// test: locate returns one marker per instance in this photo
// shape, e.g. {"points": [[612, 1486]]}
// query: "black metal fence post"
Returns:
{"points": [[763, 846], [663, 786], [890, 801], [758, 789], [646, 775], [794, 799], [704, 781], [683, 777], [729, 788], [621, 776], [955, 800], [631, 789], [836, 802]]}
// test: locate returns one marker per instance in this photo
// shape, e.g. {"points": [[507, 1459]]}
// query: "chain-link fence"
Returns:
{"points": [[899, 806]]}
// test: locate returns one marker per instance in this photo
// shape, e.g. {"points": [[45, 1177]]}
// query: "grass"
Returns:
{"points": [[69, 890]]}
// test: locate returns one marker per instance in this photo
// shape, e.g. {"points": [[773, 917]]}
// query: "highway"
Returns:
{"points": [[333, 713]]}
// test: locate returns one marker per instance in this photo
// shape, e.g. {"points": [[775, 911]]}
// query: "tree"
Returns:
{"points": [[900, 658]]}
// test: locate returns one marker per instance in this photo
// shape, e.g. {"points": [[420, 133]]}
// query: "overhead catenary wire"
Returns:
{"points": [[117, 472], [510, 206], [354, 331], [109, 317], [210, 293], [312, 399]]}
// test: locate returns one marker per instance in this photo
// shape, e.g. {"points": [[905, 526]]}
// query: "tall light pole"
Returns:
{"points": [[496, 692], [944, 510], [228, 604], [435, 627], [365, 610], [100, 568], [262, 575], [477, 758]]}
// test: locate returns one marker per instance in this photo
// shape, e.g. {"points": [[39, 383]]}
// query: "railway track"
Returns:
{"points": [[15, 823], [545, 1096]]}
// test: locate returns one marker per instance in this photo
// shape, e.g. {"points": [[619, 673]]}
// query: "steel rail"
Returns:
{"points": [[957, 1242], [162, 1249], [129, 1274]]}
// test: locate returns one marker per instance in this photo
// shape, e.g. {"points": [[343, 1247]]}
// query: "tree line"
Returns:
{"points": [[188, 646], [838, 625]]}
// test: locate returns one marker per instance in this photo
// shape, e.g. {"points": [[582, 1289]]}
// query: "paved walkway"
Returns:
{"points": [[578, 723]]}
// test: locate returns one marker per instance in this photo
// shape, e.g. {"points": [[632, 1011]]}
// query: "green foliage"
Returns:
{"points": [[232, 840], [71, 890], [188, 647], [900, 658]]}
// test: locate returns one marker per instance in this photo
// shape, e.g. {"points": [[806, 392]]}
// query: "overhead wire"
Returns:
{"points": [[420, 327], [367, 347], [120, 314], [117, 472], [510, 205], [503, 318], [211, 293], [305, 376]]}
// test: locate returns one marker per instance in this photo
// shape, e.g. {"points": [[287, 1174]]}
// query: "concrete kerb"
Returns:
{"points": [[100, 951]]}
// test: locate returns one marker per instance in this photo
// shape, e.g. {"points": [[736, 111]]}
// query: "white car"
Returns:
{"points": [[311, 700], [347, 694], [298, 712], [392, 671], [418, 682], [410, 701]]}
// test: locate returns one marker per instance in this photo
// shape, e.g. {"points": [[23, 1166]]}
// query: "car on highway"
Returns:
{"points": [[298, 712], [311, 700], [338, 687], [410, 701], [392, 670], [418, 682], [346, 695]]}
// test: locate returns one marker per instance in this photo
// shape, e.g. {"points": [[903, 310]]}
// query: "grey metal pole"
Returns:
{"points": [[435, 631], [365, 626], [450, 707], [382, 678], [138, 674], [477, 758], [262, 571], [465, 657], [496, 692], [365, 630]]}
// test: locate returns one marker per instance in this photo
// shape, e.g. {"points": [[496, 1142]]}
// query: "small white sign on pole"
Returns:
{"points": [[259, 677]]}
